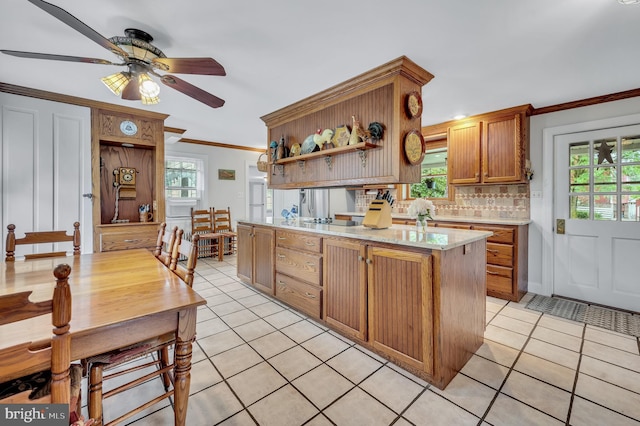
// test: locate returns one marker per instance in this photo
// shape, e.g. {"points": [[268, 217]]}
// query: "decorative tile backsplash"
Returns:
{"points": [[489, 201]]}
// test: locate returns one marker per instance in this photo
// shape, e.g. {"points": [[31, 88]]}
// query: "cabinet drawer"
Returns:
{"points": [[304, 266], [452, 225], [499, 279], [500, 235], [127, 240], [305, 297], [299, 240], [500, 254]]}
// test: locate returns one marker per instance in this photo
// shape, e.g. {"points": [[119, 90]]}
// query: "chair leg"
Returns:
{"points": [[95, 394], [165, 361]]}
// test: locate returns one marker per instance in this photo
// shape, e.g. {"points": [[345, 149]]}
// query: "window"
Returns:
{"points": [[183, 177], [433, 176], [604, 179]]}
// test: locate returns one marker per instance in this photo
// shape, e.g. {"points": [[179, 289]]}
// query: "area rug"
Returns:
{"points": [[610, 319]]}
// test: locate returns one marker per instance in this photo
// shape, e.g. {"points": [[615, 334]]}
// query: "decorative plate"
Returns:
{"points": [[341, 136], [294, 150], [129, 128], [414, 147], [309, 145], [414, 104]]}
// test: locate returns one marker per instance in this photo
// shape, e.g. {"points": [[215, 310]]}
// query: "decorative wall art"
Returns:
{"points": [[225, 174]]}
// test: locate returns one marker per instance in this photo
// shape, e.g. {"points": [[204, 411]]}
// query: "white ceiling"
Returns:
{"points": [[485, 54]]}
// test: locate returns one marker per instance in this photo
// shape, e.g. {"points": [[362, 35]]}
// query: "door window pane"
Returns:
{"points": [[630, 207], [605, 151], [631, 149], [605, 179], [605, 207], [579, 154], [579, 179], [579, 207]]}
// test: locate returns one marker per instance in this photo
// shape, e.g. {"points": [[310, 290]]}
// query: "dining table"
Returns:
{"points": [[119, 298]]}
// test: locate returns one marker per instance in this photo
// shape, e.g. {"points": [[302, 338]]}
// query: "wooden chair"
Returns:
{"points": [[202, 225], [42, 237], [164, 245], [28, 365], [222, 225], [188, 249], [160, 345]]}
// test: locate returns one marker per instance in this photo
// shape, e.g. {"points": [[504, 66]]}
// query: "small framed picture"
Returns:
{"points": [[225, 174]]}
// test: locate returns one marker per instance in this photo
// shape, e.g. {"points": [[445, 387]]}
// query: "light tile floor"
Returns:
{"points": [[258, 362]]}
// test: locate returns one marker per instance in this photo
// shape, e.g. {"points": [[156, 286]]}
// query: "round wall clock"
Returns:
{"points": [[414, 105], [414, 147], [129, 128]]}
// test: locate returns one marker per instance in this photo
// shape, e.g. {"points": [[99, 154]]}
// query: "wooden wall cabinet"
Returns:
{"points": [[377, 95], [122, 139], [256, 256], [487, 148]]}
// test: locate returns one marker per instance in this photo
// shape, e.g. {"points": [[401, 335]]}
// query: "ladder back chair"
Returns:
{"points": [[162, 367], [202, 225], [164, 244], [37, 372], [41, 237], [222, 225]]}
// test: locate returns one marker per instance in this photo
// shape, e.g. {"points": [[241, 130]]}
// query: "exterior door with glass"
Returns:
{"points": [[597, 213]]}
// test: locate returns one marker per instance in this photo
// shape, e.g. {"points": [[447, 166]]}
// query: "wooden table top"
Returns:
{"points": [[107, 288]]}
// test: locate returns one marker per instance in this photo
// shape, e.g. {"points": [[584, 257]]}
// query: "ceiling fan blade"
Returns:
{"points": [[204, 66], [131, 91], [79, 26], [192, 91], [57, 57]]}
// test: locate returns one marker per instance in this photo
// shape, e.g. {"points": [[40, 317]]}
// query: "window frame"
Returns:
{"points": [[199, 172]]}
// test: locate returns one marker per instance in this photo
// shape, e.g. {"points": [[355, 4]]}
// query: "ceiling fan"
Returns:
{"points": [[140, 57]]}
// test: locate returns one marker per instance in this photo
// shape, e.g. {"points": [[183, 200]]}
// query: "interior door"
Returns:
{"points": [[597, 204], [257, 199]]}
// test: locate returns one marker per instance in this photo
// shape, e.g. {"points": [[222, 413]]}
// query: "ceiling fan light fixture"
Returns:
{"points": [[117, 82], [149, 100], [148, 87]]}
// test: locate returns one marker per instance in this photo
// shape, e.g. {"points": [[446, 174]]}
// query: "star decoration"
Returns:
{"points": [[604, 153]]}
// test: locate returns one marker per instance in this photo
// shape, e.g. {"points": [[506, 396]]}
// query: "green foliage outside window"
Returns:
{"points": [[433, 184]]}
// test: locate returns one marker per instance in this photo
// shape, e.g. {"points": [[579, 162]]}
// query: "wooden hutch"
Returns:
{"points": [[127, 162]]}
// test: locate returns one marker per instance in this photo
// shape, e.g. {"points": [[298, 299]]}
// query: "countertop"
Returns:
{"points": [[487, 221], [434, 238]]}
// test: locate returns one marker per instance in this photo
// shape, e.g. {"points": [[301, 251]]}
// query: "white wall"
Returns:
{"points": [[541, 208], [221, 193]]}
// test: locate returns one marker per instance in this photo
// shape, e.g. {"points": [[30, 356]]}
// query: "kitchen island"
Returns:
{"points": [[417, 299]]}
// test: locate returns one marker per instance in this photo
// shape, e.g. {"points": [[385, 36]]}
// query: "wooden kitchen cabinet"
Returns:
{"points": [[298, 265], [345, 285], [401, 306], [256, 256], [487, 148]]}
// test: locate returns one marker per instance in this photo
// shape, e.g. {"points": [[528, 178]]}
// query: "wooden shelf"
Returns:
{"points": [[362, 146]]}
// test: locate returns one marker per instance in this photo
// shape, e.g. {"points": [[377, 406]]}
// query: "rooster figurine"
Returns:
{"points": [[358, 134], [322, 138]]}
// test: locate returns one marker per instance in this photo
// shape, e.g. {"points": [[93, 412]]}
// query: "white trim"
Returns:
{"points": [[548, 203]]}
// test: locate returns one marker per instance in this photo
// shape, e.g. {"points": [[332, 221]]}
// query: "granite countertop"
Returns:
{"points": [[488, 221], [435, 238]]}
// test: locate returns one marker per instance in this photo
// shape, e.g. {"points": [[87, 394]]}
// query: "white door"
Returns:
{"points": [[45, 154], [597, 195], [257, 201]]}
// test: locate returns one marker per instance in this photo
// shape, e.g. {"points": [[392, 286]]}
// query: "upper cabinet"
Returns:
{"points": [[390, 95], [488, 148]]}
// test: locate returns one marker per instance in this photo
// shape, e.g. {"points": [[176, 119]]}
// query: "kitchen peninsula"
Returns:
{"points": [[417, 299]]}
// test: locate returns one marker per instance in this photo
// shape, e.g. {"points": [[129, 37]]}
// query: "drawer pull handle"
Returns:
{"points": [[281, 256], [492, 273], [282, 284], [310, 243], [282, 238], [493, 251], [310, 263], [131, 241], [309, 295]]}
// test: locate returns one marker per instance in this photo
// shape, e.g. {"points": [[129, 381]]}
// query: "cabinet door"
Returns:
{"points": [[345, 287], [464, 153], [401, 306], [263, 258], [245, 252], [502, 149]]}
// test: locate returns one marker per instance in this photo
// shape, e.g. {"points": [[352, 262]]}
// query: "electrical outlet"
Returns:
{"points": [[536, 194]]}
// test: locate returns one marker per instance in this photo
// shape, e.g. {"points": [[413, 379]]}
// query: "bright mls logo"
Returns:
{"points": [[34, 414]]}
